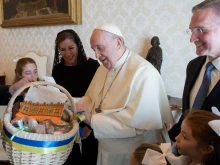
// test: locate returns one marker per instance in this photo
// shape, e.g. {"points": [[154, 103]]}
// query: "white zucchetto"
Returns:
{"points": [[111, 28]]}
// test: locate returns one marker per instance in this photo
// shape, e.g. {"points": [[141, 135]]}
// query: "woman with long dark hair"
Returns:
{"points": [[73, 70]]}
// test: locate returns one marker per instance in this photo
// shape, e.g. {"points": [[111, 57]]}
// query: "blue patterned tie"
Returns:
{"points": [[204, 88]]}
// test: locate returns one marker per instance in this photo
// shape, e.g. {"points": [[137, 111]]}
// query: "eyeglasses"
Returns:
{"points": [[196, 31], [199, 30]]}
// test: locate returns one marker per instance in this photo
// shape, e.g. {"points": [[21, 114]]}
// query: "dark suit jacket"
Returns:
{"points": [[213, 99]]}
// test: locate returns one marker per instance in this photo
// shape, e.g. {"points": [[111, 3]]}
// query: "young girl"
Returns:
{"points": [[25, 72], [139, 153], [26, 68], [198, 140], [197, 143]]}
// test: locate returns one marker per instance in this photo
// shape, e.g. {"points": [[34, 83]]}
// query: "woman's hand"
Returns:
{"points": [[84, 109]]}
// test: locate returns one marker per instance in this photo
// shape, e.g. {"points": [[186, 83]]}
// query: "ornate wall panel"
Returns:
{"points": [[139, 21]]}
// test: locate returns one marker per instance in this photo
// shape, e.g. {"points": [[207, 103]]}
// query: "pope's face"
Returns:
{"points": [[104, 46]]}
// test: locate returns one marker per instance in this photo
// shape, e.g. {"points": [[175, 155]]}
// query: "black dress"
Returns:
{"points": [[76, 80]]}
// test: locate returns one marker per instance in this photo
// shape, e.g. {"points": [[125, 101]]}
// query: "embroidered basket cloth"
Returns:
{"points": [[37, 149]]}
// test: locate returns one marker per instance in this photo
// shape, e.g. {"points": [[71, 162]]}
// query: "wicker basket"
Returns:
{"points": [[37, 149]]}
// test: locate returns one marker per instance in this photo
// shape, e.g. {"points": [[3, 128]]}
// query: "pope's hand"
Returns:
{"points": [[84, 109]]}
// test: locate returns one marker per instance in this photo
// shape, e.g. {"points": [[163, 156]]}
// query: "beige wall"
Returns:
{"points": [[139, 21]]}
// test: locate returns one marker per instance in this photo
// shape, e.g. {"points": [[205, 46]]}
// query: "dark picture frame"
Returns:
{"points": [[18, 13]]}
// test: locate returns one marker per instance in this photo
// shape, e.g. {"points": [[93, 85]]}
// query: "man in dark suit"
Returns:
{"points": [[204, 29]]}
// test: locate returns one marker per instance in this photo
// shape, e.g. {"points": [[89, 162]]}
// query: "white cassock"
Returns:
{"points": [[136, 102]]}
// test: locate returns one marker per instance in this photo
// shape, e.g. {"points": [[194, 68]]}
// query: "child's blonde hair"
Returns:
{"points": [[140, 151]]}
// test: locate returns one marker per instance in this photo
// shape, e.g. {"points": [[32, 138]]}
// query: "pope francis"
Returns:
{"points": [[126, 103]]}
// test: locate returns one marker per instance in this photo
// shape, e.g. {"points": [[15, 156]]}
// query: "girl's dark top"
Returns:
{"points": [[5, 96], [75, 79]]}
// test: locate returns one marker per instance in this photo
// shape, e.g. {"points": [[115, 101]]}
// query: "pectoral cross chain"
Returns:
{"points": [[98, 110]]}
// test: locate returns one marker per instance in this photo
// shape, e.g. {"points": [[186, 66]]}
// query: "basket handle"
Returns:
{"points": [[14, 96]]}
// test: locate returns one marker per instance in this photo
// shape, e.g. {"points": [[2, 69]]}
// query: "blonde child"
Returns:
{"points": [[198, 143], [139, 153], [25, 72], [26, 68]]}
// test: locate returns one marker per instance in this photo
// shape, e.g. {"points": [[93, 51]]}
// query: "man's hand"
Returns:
{"points": [[83, 108], [13, 88]]}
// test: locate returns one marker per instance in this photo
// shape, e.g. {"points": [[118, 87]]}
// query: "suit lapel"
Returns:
{"points": [[213, 98], [192, 74]]}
